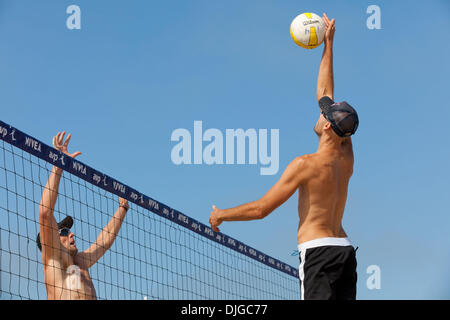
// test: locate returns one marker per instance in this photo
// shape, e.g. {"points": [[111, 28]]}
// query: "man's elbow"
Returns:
{"points": [[323, 92], [107, 247], [44, 213], [261, 211], [320, 93]]}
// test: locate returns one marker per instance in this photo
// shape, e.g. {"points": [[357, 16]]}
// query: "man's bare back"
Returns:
{"points": [[322, 198]]}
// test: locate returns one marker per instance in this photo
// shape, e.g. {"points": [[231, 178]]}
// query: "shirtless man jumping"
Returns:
{"points": [[66, 273], [327, 258]]}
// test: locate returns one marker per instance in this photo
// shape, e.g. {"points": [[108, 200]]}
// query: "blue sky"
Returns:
{"points": [[138, 70]]}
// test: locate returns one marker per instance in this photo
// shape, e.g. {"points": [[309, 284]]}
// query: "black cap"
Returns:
{"points": [[342, 117], [67, 222]]}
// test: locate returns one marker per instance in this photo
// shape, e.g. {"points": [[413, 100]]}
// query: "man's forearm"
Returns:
{"points": [[325, 82], [111, 230], [50, 193], [245, 212]]}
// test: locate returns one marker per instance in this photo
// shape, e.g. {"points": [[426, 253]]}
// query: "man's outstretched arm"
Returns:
{"points": [[291, 179], [325, 81], [107, 236], [49, 228]]}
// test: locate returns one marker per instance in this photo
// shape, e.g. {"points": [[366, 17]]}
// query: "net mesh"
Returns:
{"points": [[152, 257]]}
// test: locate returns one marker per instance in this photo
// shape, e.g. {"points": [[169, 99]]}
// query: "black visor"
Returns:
{"points": [[342, 117]]}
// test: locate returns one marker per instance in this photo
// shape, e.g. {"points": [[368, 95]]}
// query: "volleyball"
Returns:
{"points": [[308, 30]]}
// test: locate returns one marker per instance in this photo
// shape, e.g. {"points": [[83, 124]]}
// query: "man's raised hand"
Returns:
{"points": [[214, 219], [59, 144], [329, 35]]}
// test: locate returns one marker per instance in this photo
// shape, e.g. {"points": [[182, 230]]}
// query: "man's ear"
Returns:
{"points": [[327, 126]]}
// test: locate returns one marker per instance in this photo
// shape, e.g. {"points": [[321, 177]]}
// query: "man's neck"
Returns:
{"points": [[67, 259], [329, 144]]}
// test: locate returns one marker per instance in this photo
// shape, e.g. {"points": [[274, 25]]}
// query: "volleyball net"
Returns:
{"points": [[159, 252]]}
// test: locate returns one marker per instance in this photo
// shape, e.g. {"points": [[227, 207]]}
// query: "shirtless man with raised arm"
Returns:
{"points": [[327, 258], [66, 273]]}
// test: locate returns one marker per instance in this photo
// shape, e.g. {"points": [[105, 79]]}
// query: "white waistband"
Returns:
{"points": [[320, 242]]}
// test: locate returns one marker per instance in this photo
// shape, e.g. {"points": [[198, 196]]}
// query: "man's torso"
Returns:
{"points": [[66, 281], [323, 196]]}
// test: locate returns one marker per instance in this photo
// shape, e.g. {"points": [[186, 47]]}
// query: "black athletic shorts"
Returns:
{"points": [[327, 269]]}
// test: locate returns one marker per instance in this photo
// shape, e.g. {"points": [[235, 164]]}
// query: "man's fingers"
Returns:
{"points": [[67, 140], [61, 138], [328, 24], [56, 139], [332, 24], [212, 222], [76, 154]]}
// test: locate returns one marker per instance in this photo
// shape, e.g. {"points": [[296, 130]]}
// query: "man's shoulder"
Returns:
{"points": [[306, 159], [82, 260], [306, 164]]}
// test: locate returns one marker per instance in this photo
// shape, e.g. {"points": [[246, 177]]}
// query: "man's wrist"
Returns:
{"points": [[58, 171], [124, 206], [220, 215]]}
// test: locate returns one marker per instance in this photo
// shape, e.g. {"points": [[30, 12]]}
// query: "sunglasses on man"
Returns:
{"points": [[64, 232]]}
